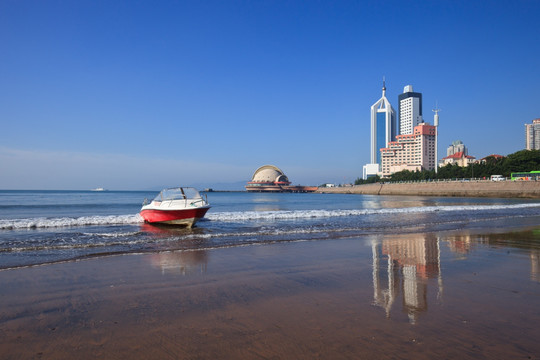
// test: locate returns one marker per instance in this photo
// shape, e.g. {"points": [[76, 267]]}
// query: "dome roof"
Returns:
{"points": [[269, 173]]}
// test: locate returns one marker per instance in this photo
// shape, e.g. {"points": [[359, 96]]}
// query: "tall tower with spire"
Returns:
{"points": [[383, 130], [383, 126]]}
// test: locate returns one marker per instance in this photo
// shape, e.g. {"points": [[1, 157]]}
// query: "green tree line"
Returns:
{"points": [[524, 160]]}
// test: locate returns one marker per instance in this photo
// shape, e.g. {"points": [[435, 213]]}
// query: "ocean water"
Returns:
{"points": [[38, 227]]}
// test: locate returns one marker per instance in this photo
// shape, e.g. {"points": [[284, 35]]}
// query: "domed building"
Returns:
{"points": [[269, 178]]}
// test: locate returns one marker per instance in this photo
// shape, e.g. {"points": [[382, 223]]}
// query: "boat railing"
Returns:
{"points": [[190, 202], [174, 195], [201, 200]]}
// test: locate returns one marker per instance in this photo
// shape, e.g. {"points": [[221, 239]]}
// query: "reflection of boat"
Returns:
{"points": [[182, 262], [175, 206]]}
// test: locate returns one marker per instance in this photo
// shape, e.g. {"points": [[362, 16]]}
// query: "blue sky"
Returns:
{"points": [[143, 94]]}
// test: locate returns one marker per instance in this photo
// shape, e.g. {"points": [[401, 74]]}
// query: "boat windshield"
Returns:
{"points": [[177, 194]]}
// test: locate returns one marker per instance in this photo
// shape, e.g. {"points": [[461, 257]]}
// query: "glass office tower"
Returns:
{"points": [[383, 126]]}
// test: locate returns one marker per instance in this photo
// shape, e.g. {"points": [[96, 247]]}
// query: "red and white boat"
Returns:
{"points": [[175, 206]]}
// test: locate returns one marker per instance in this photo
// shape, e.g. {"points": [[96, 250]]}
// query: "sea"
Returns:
{"points": [[41, 227]]}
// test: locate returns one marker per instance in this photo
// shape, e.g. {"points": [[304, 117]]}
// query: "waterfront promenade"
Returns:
{"points": [[456, 188]]}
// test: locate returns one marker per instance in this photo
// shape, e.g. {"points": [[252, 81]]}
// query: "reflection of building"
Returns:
{"points": [[181, 262], [269, 178], [410, 263], [383, 130], [535, 265], [463, 244], [410, 152], [385, 286], [460, 244]]}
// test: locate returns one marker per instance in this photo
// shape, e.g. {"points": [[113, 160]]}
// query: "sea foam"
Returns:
{"points": [[306, 214], [241, 216], [41, 222]]}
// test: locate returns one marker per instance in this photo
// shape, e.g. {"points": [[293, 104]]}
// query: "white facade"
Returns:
{"points": [[383, 118], [459, 158], [383, 130], [532, 135], [370, 170], [410, 110]]}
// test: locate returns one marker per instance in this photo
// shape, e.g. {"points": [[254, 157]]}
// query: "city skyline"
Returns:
{"points": [[127, 95], [388, 147]]}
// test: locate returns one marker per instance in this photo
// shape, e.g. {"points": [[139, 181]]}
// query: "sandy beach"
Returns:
{"points": [[471, 296]]}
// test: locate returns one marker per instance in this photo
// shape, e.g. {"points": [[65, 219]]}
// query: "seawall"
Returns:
{"points": [[481, 188]]}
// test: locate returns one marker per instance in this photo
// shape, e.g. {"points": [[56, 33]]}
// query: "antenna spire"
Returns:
{"points": [[436, 110], [436, 116], [383, 86]]}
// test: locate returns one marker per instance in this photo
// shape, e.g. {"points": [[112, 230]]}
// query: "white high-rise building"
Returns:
{"points": [[383, 130], [532, 135], [457, 146], [410, 110]]}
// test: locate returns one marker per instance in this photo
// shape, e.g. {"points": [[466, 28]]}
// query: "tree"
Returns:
{"points": [[524, 160], [369, 180]]}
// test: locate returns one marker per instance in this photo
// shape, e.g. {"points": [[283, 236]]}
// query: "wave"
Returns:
{"points": [[113, 235], [8, 207], [243, 216], [36, 223], [306, 214]]}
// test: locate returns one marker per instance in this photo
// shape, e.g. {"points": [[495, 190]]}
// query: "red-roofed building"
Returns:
{"points": [[492, 156], [459, 158]]}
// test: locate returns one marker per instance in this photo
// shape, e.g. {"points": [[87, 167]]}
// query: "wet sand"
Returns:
{"points": [[448, 295]]}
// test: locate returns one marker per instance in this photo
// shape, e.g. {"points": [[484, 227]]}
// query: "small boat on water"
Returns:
{"points": [[175, 206]]}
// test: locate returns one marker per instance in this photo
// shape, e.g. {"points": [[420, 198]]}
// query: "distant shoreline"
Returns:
{"points": [[480, 188]]}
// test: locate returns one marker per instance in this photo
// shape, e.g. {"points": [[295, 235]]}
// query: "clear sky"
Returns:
{"points": [[143, 94]]}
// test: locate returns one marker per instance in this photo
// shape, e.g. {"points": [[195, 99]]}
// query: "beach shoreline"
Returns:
{"points": [[479, 188], [302, 300]]}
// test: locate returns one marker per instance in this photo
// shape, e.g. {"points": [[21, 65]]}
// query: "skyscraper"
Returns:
{"points": [[457, 146], [383, 126], [383, 130], [532, 135], [410, 110]]}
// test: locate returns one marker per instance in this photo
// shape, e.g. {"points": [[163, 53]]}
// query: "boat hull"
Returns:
{"points": [[184, 217]]}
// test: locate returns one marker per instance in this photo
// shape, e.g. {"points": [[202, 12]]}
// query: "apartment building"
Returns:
{"points": [[412, 152]]}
